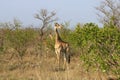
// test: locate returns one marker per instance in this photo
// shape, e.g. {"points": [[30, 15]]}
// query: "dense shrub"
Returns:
{"points": [[99, 47]]}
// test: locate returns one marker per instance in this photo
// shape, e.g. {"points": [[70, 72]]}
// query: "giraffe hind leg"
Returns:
{"points": [[64, 65]]}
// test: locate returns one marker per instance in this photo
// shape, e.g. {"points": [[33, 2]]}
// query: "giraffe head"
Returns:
{"points": [[58, 26]]}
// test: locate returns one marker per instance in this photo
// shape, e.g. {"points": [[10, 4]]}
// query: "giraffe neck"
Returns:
{"points": [[57, 36]]}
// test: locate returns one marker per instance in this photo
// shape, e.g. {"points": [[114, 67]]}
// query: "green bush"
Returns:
{"points": [[99, 47]]}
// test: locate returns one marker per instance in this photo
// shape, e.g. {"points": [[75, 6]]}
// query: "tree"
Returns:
{"points": [[109, 11], [46, 18]]}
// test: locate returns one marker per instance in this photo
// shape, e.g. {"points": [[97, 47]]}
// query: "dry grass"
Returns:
{"points": [[43, 68]]}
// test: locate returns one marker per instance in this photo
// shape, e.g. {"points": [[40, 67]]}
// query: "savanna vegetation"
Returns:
{"points": [[30, 51]]}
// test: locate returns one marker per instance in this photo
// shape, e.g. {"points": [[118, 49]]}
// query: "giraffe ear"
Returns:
{"points": [[55, 24]]}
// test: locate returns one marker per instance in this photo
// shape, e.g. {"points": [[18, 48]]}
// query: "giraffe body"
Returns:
{"points": [[61, 47]]}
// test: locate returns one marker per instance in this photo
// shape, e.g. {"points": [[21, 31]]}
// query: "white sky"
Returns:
{"points": [[75, 11]]}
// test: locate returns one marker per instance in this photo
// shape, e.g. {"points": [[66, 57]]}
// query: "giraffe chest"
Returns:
{"points": [[60, 47]]}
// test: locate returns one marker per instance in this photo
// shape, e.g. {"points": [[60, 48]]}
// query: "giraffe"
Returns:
{"points": [[61, 47]]}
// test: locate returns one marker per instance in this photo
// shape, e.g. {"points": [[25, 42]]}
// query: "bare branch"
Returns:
{"points": [[44, 13], [107, 10], [52, 20], [46, 19], [38, 17]]}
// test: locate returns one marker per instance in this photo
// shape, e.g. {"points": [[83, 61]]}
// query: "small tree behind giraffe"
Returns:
{"points": [[46, 18]]}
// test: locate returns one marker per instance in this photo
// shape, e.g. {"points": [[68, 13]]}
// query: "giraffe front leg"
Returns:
{"points": [[58, 58]]}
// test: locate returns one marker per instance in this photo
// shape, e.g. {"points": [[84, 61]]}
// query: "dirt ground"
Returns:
{"points": [[44, 67]]}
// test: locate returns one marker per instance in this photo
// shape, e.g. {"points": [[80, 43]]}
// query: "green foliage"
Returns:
{"points": [[99, 46], [85, 34], [17, 37], [20, 39]]}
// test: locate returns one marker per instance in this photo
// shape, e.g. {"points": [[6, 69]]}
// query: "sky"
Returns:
{"points": [[74, 11]]}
